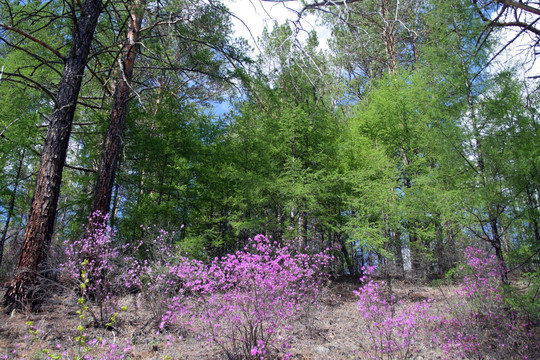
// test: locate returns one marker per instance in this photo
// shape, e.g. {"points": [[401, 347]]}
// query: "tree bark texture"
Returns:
{"points": [[23, 291], [113, 141]]}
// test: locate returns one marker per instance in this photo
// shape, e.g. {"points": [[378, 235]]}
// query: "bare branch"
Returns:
{"points": [[164, 22], [80, 5], [7, 127], [35, 56], [72, 167], [520, 5], [33, 84], [89, 106], [34, 39], [520, 24]]}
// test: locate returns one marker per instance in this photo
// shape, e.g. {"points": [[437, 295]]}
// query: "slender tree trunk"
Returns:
{"points": [[440, 251], [115, 202], [414, 241], [534, 222], [398, 253], [266, 221], [277, 231], [23, 291], [346, 256], [302, 227], [113, 142], [536, 231], [451, 255], [11, 207], [388, 31], [497, 244]]}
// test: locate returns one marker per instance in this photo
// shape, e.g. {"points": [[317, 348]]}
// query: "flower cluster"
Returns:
{"points": [[149, 272], [94, 255], [247, 301], [392, 329], [479, 324]]}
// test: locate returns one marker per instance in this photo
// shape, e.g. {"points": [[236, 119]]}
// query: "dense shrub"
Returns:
{"points": [[97, 257], [392, 329], [249, 300], [479, 324]]}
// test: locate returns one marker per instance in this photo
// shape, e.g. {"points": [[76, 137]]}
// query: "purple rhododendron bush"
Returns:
{"points": [[471, 321], [478, 323], [247, 302], [267, 301]]}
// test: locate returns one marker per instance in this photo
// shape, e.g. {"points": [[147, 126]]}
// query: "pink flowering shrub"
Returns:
{"points": [[188, 279], [481, 285], [95, 255], [247, 301], [150, 273], [479, 324], [142, 267], [392, 328]]}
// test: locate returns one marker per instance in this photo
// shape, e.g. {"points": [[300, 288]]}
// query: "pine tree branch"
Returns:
{"points": [[164, 22], [520, 5], [34, 39], [41, 60], [29, 82]]}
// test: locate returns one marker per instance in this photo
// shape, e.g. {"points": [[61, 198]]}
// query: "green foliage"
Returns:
{"points": [[397, 138], [525, 299]]}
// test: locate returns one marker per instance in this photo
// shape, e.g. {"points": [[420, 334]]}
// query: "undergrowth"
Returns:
{"points": [[246, 304]]}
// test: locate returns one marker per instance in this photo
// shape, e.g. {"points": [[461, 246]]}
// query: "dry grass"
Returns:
{"points": [[334, 331]]}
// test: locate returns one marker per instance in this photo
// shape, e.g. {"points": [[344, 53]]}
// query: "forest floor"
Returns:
{"points": [[334, 331]]}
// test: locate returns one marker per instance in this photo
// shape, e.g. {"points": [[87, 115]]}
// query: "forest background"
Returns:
{"points": [[402, 143]]}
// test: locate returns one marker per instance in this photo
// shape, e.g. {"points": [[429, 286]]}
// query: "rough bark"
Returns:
{"points": [[113, 141], [23, 291], [388, 32]]}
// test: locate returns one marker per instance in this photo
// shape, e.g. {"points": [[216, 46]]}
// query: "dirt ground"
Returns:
{"points": [[334, 331]]}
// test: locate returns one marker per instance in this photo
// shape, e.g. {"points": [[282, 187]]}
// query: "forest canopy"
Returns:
{"points": [[399, 144]]}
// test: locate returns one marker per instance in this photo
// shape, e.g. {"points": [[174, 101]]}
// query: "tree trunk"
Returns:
{"points": [[115, 202], [107, 171], [346, 256], [23, 291], [302, 231], [398, 253], [496, 243], [533, 204], [11, 207], [388, 36]]}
